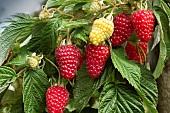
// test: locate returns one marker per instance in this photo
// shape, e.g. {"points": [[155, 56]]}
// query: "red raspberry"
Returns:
{"points": [[122, 29], [96, 57], [132, 51], [56, 99], [143, 23], [68, 57]]}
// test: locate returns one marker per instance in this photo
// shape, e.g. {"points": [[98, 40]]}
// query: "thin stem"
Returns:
{"points": [[43, 65], [143, 54], [72, 84], [68, 33], [114, 8], [59, 11], [59, 77], [21, 71], [110, 44], [140, 57]]}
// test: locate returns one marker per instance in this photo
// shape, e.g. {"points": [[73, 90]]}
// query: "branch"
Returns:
{"points": [[59, 11]]}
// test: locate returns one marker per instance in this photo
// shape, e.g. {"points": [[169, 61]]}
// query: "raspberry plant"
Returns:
{"points": [[107, 77]]}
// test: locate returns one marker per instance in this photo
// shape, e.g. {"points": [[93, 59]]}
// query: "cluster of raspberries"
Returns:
{"points": [[69, 58]]}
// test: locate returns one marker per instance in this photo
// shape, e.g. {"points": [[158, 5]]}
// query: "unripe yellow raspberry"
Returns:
{"points": [[45, 14], [102, 29], [95, 6], [33, 61]]}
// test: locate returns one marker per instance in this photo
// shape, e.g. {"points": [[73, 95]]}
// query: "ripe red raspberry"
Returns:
{"points": [[96, 57], [56, 99], [132, 51], [143, 23], [68, 57], [122, 29]]}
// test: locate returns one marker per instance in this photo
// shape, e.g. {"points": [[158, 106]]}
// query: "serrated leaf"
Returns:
{"points": [[149, 85], [149, 91], [44, 37], [86, 86], [54, 3], [133, 73], [128, 69], [75, 24], [118, 98], [35, 86], [20, 60], [7, 76], [20, 28], [164, 42]]}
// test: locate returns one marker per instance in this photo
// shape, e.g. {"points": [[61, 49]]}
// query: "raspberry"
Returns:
{"points": [[96, 57], [68, 58], [95, 7], [45, 14], [102, 29], [122, 29], [34, 61], [56, 99], [143, 23], [132, 51]]}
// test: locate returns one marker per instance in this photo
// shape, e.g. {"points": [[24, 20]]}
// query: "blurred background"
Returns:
{"points": [[11, 7]]}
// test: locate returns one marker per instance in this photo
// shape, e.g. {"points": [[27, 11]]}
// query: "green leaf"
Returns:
{"points": [[166, 8], [44, 37], [156, 2], [69, 8], [134, 74], [128, 69], [80, 34], [54, 3], [20, 60], [156, 37], [149, 91], [86, 86], [19, 29], [164, 41], [7, 76], [149, 85], [118, 98], [35, 86], [75, 24], [69, 2]]}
